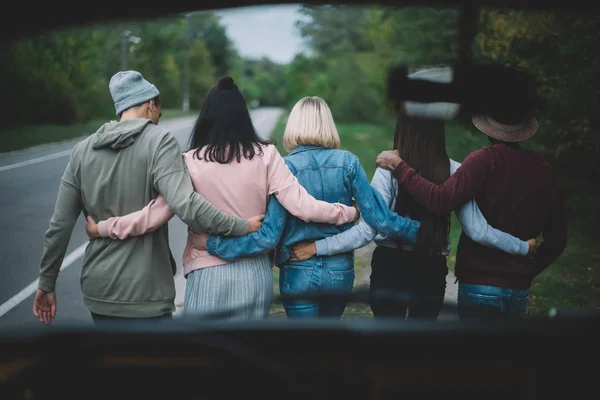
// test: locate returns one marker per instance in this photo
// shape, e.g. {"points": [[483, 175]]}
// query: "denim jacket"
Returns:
{"points": [[328, 175]]}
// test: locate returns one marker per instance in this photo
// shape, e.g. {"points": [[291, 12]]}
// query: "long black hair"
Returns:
{"points": [[223, 130], [422, 144]]}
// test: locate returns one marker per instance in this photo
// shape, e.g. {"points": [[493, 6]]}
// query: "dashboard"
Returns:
{"points": [[284, 359]]}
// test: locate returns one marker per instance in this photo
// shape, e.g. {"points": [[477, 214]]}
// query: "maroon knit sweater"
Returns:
{"points": [[518, 193]]}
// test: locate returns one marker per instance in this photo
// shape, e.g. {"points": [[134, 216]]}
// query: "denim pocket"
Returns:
{"points": [[342, 280], [478, 299], [295, 279]]}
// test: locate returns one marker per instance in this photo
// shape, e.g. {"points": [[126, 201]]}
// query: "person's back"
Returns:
{"points": [[519, 197], [326, 174], [236, 188], [114, 169]]}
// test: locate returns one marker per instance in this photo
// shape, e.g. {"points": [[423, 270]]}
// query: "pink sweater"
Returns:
{"points": [[241, 189]]}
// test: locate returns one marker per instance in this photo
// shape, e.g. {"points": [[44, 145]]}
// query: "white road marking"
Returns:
{"points": [[33, 286], [36, 160]]}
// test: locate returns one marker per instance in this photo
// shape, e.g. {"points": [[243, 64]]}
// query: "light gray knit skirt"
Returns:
{"points": [[239, 290]]}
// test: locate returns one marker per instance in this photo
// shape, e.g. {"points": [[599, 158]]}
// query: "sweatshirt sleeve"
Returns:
{"points": [[66, 211]]}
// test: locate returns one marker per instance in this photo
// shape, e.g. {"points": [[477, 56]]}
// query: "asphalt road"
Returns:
{"points": [[29, 183]]}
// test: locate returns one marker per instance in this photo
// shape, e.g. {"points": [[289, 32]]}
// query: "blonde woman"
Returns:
{"points": [[331, 175]]}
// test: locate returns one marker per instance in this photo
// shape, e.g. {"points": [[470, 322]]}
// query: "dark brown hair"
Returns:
{"points": [[223, 131], [422, 144]]}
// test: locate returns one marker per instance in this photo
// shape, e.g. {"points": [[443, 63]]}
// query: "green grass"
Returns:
{"points": [[573, 281], [32, 135]]}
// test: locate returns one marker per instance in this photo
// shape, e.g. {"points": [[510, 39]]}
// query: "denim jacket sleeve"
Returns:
{"points": [[374, 209], [362, 233], [265, 239], [475, 226]]}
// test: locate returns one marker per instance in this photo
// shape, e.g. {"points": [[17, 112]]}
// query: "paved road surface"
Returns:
{"points": [[29, 182]]}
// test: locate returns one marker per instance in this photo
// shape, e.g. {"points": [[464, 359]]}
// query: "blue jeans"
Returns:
{"points": [[315, 275], [490, 301]]}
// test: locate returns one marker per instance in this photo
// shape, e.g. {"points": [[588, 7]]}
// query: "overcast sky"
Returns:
{"points": [[264, 30]]}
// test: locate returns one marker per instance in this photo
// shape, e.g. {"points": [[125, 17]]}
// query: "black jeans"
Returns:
{"points": [[99, 318], [402, 281]]}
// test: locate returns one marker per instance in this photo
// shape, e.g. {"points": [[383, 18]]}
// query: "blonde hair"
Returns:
{"points": [[310, 123]]}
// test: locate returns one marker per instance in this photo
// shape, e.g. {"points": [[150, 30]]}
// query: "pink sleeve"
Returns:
{"points": [[148, 219], [294, 197]]}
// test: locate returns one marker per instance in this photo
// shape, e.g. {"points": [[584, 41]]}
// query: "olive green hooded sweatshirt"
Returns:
{"points": [[116, 171]]}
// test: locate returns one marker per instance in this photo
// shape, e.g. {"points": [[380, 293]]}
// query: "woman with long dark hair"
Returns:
{"points": [[409, 277], [236, 171]]}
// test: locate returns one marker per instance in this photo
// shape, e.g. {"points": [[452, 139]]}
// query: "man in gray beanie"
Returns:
{"points": [[116, 171]]}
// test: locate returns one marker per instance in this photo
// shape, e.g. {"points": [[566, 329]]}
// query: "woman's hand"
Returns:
{"points": [[303, 251], [254, 223], [91, 228], [388, 159]]}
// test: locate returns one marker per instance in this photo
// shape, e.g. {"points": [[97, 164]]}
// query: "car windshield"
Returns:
{"points": [[280, 113]]}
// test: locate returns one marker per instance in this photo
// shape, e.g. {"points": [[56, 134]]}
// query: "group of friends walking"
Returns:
{"points": [[248, 210]]}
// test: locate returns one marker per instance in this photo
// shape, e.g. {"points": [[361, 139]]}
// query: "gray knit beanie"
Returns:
{"points": [[129, 89]]}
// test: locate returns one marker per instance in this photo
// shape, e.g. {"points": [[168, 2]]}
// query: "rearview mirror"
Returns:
{"points": [[439, 109], [450, 92]]}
